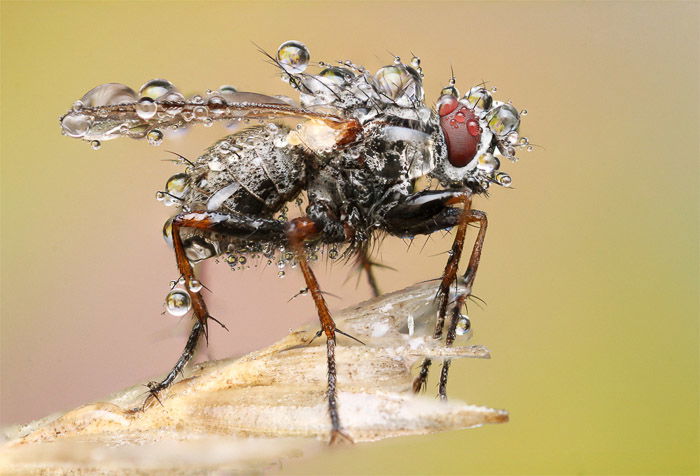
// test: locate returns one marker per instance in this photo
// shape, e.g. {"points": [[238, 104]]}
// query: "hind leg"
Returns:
{"points": [[241, 227]]}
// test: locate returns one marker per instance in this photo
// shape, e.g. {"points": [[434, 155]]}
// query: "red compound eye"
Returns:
{"points": [[462, 132]]}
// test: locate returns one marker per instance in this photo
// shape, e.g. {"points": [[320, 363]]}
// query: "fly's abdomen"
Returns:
{"points": [[253, 172]]}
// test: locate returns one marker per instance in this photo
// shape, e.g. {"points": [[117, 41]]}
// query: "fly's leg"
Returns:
{"points": [[426, 212], [299, 230], [236, 226]]}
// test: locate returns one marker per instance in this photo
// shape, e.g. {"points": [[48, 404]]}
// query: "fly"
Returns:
{"points": [[356, 145]]}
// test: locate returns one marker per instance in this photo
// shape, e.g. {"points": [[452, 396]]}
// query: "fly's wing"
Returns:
{"points": [[113, 110]]}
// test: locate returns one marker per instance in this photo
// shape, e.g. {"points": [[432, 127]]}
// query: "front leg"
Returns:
{"points": [[429, 211]]}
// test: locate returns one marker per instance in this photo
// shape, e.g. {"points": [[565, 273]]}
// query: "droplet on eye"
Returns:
{"points": [[293, 56], [178, 303]]}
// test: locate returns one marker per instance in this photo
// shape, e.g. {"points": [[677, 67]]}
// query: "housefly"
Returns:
{"points": [[357, 144]]}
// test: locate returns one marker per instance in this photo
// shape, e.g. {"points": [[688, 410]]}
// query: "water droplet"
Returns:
{"points": [[503, 179], [217, 105], [195, 286], [156, 88], [200, 112], [450, 90], [155, 137], [174, 103], [478, 98], [333, 253], [503, 120], [242, 259], [494, 89], [529, 148], [108, 95], [95, 144], [281, 274], [198, 249], [396, 81], [177, 187], [168, 231], [76, 125], [146, 108], [228, 89], [463, 325], [415, 62], [337, 75], [160, 196], [523, 112], [178, 303], [397, 60], [197, 99], [78, 106], [488, 163], [293, 56]]}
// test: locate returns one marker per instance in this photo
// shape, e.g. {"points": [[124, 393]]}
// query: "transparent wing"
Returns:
{"points": [[113, 110]]}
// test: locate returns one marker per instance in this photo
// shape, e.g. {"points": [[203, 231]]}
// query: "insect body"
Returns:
{"points": [[356, 145]]}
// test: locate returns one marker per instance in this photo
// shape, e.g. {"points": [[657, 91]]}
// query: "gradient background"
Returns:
{"points": [[591, 263]]}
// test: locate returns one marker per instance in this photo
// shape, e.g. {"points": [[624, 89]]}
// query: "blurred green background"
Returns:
{"points": [[590, 268]]}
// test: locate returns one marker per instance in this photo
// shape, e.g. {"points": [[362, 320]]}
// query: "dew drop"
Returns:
{"points": [[488, 163], [195, 286], [281, 274], [503, 120], [109, 94], [78, 106], [337, 75], [200, 113], [155, 137], [529, 148], [156, 88], [523, 112], [178, 303], [479, 99], [333, 253], [293, 56], [503, 179], [242, 260], [174, 103], [146, 108], [463, 325], [168, 231], [95, 144], [76, 125]]}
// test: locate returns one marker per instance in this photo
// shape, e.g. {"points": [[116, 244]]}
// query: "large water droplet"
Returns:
{"points": [[293, 56], [146, 108], [108, 95], [488, 163], [396, 83], [76, 125], [503, 120], [156, 88], [178, 303]]}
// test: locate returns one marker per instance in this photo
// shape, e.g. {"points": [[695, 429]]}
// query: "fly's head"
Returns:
{"points": [[476, 133]]}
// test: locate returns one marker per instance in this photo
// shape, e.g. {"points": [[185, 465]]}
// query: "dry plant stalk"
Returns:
{"points": [[244, 414]]}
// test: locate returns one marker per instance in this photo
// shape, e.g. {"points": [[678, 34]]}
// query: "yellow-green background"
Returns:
{"points": [[591, 263]]}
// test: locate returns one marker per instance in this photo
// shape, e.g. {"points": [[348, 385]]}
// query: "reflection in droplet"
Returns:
{"points": [[155, 137], [146, 108], [503, 120], [76, 125], [156, 88], [178, 303], [108, 95], [293, 56]]}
